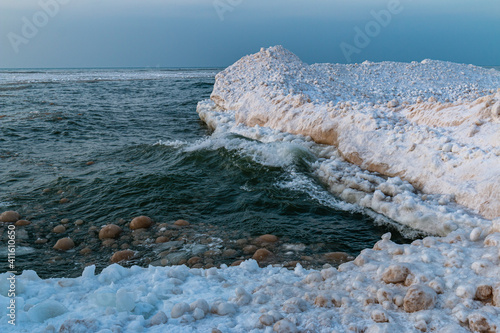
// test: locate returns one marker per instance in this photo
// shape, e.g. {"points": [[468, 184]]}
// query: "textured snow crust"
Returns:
{"points": [[437, 284]]}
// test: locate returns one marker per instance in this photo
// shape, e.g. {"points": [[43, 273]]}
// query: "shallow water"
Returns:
{"points": [[122, 143]]}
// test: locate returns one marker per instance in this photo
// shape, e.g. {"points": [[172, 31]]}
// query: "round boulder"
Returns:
{"points": [[395, 274], [249, 249], [285, 326], [496, 296], [193, 261], [419, 297], [237, 262], [229, 253], [162, 239], [262, 255], [109, 231], [122, 255], [181, 223], [22, 223], [478, 322], [159, 318], [59, 229], [9, 216], [64, 244], [337, 256], [484, 292], [140, 222], [85, 251], [266, 239]]}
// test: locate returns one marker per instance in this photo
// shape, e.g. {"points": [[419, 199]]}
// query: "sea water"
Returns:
{"points": [[105, 145]]}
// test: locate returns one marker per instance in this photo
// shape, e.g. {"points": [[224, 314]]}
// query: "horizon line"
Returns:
{"points": [[161, 67], [127, 67]]}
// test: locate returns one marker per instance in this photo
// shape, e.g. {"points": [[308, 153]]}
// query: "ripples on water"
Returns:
{"points": [[151, 156]]}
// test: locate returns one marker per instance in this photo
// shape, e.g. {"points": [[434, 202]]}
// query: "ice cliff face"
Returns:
{"points": [[434, 124]]}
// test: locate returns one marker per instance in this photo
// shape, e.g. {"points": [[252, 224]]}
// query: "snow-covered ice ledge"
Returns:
{"points": [[434, 124]]}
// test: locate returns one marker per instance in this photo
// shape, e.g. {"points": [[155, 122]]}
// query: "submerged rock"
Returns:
{"points": [[262, 255], [110, 231], [250, 249], [122, 255], [181, 223], [59, 229], [140, 222], [337, 256], [162, 239], [20, 223], [64, 244], [266, 239], [10, 216], [85, 251]]}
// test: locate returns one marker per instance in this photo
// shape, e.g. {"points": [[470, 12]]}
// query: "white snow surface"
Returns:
{"points": [[434, 124], [356, 297]]}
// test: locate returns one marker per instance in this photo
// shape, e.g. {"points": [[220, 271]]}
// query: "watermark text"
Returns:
{"points": [[11, 278], [373, 28], [224, 6], [31, 26]]}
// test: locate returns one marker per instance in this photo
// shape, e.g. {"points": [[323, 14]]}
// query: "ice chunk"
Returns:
{"points": [[88, 272], [285, 326], [419, 297], [104, 297], [250, 265], [46, 310], [78, 326], [158, 319], [125, 300], [179, 309], [113, 273]]}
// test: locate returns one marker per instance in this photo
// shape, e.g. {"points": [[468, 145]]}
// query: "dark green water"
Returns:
{"points": [[55, 122]]}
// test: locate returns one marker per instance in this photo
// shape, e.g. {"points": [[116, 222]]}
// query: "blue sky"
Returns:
{"points": [[216, 33]]}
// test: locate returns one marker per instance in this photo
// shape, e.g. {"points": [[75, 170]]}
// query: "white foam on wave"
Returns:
{"points": [[272, 148], [6, 203], [276, 153], [305, 184], [386, 199], [65, 76], [20, 251], [172, 143], [275, 149], [310, 186]]}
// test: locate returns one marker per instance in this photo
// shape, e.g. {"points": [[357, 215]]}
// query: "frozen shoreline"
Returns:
{"points": [[445, 283], [442, 284], [434, 124]]}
